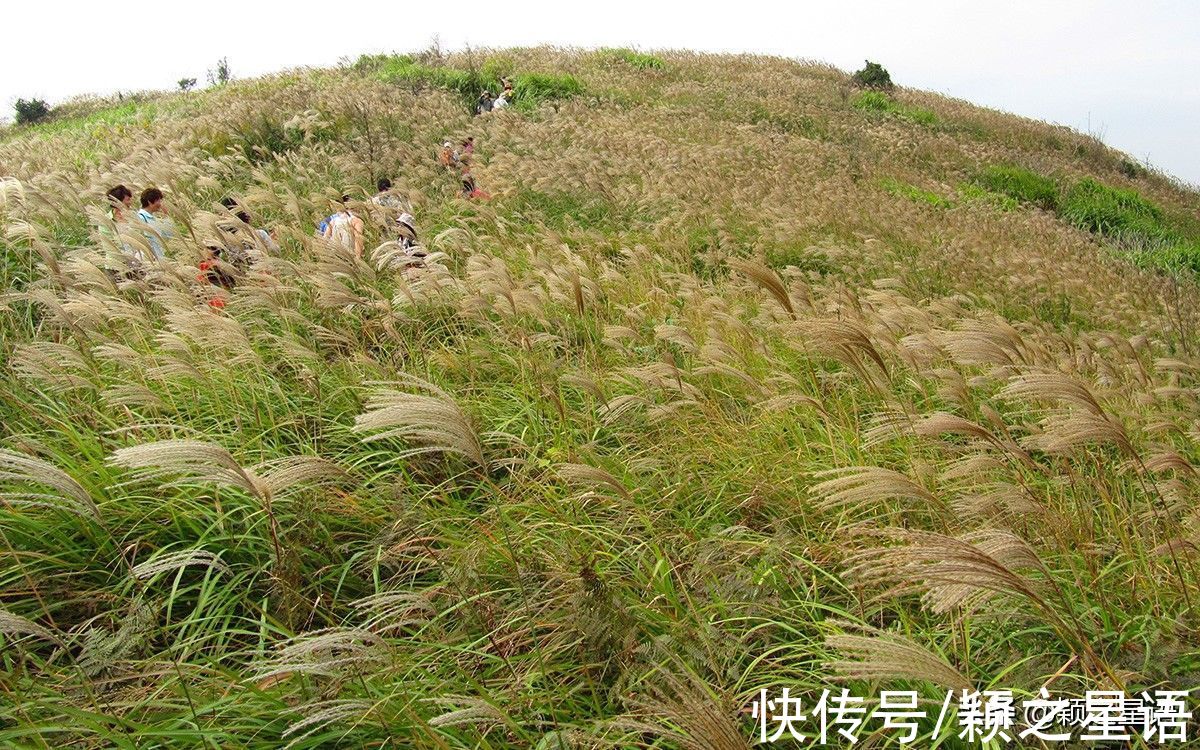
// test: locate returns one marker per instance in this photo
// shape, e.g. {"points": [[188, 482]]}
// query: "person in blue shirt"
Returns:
{"points": [[154, 214]]}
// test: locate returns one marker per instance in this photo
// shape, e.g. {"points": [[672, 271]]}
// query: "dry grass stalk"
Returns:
{"points": [[68, 494], [881, 656], [857, 486], [434, 422], [952, 573]]}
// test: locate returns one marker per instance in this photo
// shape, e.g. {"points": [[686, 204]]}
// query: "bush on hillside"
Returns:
{"points": [[914, 193], [1132, 169], [532, 89], [874, 101], [873, 76], [973, 193], [496, 68], [403, 69], [1099, 208], [31, 111], [636, 60], [1020, 184], [221, 75], [529, 89], [877, 101], [366, 64]]}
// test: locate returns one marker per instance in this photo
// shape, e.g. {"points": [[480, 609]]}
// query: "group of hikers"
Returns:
{"points": [[345, 228], [236, 245], [487, 103], [241, 245], [460, 161]]}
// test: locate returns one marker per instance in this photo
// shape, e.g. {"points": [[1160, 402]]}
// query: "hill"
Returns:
{"points": [[742, 378]]}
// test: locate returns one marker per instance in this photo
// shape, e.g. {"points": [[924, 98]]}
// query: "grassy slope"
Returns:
{"points": [[698, 290]]}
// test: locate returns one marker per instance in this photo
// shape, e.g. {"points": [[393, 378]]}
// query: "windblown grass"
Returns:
{"points": [[691, 408]]}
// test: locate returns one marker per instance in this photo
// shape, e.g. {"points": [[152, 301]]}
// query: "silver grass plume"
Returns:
{"points": [[952, 572], [466, 710], [206, 462], [391, 611], [683, 711], [591, 476], [767, 279], [856, 486], [877, 655], [14, 625], [164, 563], [68, 495], [322, 714], [434, 422], [330, 652]]}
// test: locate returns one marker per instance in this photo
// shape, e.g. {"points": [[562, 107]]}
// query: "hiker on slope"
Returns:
{"points": [[484, 103], [345, 228], [159, 226]]}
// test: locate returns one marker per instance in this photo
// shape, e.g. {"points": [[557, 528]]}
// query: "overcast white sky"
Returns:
{"points": [[1127, 68]]}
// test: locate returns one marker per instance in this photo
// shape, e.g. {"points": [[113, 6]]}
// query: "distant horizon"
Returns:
{"points": [[1098, 68]]}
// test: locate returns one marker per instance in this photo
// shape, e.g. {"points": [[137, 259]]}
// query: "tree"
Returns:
{"points": [[186, 84], [31, 111], [221, 75], [873, 76]]}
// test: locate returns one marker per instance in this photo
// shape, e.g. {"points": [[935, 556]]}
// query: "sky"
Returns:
{"points": [[1122, 71]]}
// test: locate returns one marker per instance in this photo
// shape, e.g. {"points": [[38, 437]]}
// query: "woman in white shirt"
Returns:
{"points": [[345, 228]]}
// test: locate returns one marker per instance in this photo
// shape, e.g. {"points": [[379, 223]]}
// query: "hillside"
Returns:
{"points": [[742, 378]]}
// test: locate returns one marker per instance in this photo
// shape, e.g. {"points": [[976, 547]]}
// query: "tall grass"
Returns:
{"points": [[1021, 184], [693, 407]]}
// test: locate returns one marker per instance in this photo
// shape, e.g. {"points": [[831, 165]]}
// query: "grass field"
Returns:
{"points": [[736, 383]]}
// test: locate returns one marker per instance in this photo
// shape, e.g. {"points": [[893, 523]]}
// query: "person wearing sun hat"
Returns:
{"points": [[407, 226], [447, 156]]}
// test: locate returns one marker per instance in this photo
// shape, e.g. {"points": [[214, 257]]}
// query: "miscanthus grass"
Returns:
{"points": [[691, 408]]}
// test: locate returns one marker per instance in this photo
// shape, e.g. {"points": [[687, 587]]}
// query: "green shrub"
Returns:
{"points": [[1106, 210], [31, 111], [1020, 184], [220, 75], [404, 69], [495, 68], [636, 60], [975, 194], [914, 193], [531, 89], [375, 63], [1177, 258], [873, 76], [877, 101], [1132, 169], [919, 115]]}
